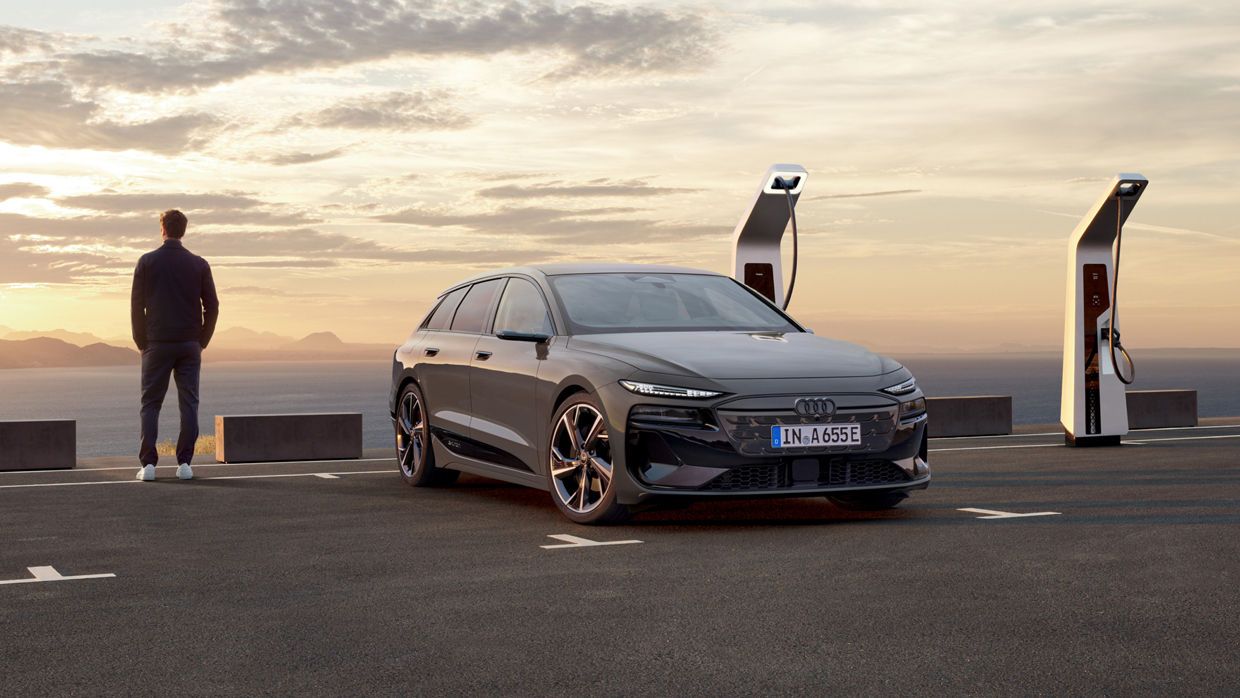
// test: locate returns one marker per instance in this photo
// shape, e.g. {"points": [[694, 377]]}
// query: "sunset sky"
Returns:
{"points": [[341, 161]]}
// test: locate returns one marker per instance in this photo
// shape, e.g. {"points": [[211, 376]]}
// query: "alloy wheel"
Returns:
{"points": [[581, 459], [411, 437]]}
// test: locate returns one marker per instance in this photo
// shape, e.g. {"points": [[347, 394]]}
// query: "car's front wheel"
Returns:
{"points": [[581, 476], [413, 442]]}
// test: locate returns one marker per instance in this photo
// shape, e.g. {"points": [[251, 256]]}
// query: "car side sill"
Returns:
{"points": [[447, 458]]}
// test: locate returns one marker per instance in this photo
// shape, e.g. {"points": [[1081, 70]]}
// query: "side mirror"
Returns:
{"points": [[536, 337]]}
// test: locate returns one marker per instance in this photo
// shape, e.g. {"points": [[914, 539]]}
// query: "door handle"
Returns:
{"points": [[484, 355], [431, 351]]}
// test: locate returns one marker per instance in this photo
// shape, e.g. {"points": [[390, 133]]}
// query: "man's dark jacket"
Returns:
{"points": [[173, 298]]}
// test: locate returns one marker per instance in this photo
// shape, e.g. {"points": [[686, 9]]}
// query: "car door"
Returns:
{"points": [[445, 354], [504, 376]]}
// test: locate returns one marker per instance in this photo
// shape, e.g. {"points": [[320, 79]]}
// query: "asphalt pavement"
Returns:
{"points": [[1027, 568]]}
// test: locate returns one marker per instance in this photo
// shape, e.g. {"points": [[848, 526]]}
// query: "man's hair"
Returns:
{"points": [[173, 222]]}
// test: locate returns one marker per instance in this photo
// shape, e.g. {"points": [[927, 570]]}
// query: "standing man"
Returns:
{"points": [[173, 309]]}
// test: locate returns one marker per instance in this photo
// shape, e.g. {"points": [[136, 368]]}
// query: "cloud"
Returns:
{"points": [[492, 257], [305, 158], [304, 243], [592, 188], [111, 202], [893, 192], [16, 40], [202, 209], [21, 190], [279, 264], [505, 219], [269, 292], [239, 38], [35, 261], [110, 229], [47, 114], [561, 225], [391, 111]]}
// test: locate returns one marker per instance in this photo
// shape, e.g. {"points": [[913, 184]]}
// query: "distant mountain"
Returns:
{"points": [[81, 339], [318, 341], [49, 352], [233, 344], [247, 339], [240, 344]]}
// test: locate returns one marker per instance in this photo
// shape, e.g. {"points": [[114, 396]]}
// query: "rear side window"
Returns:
{"points": [[472, 315], [441, 316]]}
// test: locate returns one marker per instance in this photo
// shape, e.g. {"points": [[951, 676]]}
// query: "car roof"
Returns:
{"points": [[585, 268]]}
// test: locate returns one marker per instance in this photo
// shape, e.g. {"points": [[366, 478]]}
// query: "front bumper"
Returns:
{"points": [[729, 452]]}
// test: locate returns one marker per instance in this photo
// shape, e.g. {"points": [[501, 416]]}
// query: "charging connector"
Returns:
{"points": [[1113, 342], [781, 183]]}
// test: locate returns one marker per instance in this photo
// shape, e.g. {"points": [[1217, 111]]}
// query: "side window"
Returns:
{"points": [[441, 316], [472, 315], [522, 309]]}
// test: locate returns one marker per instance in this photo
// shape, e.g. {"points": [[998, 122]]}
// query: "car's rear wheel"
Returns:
{"points": [[868, 501], [580, 469], [413, 442]]}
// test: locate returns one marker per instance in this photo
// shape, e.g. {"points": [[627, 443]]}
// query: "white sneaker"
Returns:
{"points": [[146, 473], [185, 472]]}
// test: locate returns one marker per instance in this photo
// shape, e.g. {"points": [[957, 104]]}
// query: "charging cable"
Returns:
{"points": [[1113, 334], [784, 184]]}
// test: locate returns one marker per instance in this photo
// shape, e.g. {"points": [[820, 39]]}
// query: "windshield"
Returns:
{"points": [[640, 302]]}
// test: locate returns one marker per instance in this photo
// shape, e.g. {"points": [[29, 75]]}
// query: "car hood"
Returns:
{"points": [[735, 355]]}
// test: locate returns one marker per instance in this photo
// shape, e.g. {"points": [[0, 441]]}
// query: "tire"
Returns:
{"points": [[868, 501], [579, 467], [414, 456]]}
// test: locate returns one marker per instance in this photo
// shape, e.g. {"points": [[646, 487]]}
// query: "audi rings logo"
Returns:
{"points": [[815, 407]]}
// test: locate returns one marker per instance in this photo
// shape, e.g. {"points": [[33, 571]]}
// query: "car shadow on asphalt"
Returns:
{"points": [[784, 511], [470, 490]]}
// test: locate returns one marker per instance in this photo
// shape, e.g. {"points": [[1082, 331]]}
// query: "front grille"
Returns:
{"points": [[832, 472], [751, 432], [863, 472], [750, 477]]}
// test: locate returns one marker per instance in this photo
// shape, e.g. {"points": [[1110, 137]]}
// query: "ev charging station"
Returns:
{"points": [[756, 240], [1093, 405]]}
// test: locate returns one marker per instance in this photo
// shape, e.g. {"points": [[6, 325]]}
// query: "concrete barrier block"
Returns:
{"points": [[1152, 409], [973, 415], [242, 438], [40, 444]]}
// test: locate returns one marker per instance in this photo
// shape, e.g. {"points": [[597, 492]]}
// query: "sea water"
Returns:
{"points": [[104, 400]]}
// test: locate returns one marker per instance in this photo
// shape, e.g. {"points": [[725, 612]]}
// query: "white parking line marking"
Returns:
{"points": [[327, 476], [1140, 442], [197, 465], [1007, 514], [1060, 433], [222, 477], [1190, 438], [995, 448], [259, 477], [72, 484], [49, 574], [575, 542]]}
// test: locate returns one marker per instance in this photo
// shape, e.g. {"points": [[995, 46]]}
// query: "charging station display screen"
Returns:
{"points": [[628, 302]]}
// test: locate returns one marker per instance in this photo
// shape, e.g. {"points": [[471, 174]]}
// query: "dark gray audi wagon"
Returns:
{"points": [[618, 386]]}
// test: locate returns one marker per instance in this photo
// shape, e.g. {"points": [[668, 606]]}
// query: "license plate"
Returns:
{"points": [[816, 435]]}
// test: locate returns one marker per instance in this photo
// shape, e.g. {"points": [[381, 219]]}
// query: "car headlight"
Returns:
{"points": [[667, 390], [904, 388]]}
